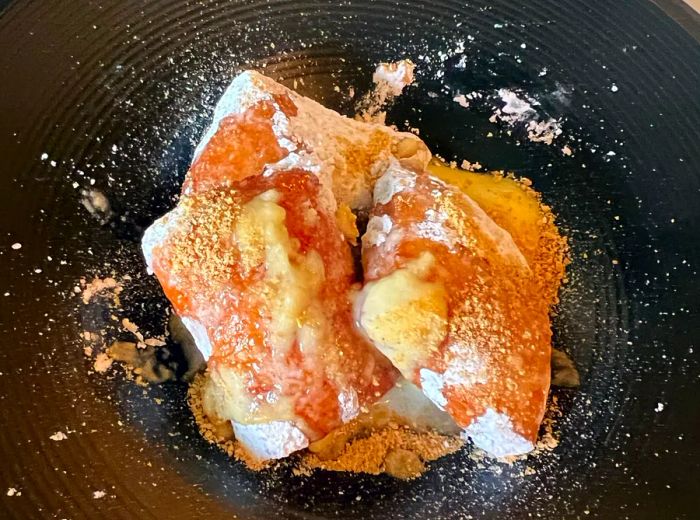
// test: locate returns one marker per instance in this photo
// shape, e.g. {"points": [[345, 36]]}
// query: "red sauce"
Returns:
{"points": [[201, 270]]}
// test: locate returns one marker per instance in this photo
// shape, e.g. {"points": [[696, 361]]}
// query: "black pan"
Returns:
{"points": [[118, 92]]}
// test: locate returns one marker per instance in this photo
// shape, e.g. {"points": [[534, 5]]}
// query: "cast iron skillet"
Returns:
{"points": [[118, 92]]}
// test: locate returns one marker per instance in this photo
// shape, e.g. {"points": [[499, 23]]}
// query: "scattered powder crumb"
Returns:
{"points": [[98, 494], [58, 436], [394, 77], [99, 286], [461, 100], [13, 492], [16, 246], [140, 362], [659, 407], [87, 350], [394, 449], [566, 150], [102, 363], [97, 204], [518, 109], [389, 81], [543, 131], [470, 166], [220, 434], [130, 326], [549, 439], [614, 88]]}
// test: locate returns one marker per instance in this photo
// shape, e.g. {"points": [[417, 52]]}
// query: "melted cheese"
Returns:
{"points": [[404, 315]]}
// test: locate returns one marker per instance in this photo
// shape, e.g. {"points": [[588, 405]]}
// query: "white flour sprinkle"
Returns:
{"points": [[519, 109], [516, 109], [394, 76], [58, 436]]}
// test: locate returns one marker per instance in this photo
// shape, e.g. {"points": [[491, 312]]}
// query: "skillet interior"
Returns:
{"points": [[143, 77]]}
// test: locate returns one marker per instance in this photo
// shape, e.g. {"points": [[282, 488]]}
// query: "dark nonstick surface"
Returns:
{"points": [[120, 91]]}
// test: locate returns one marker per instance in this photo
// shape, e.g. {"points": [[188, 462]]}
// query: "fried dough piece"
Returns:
{"points": [[261, 276], [452, 302], [260, 125]]}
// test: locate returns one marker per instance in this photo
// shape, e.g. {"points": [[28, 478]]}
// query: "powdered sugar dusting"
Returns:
{"points": [[394, 77], [394, 180], [431, 384], [271, 440], [318, 139], [519, 109], [493, 432], [378, 228]]}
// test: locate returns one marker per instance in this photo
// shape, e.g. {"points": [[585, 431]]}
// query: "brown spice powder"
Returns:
{"points": [[393, 448]]}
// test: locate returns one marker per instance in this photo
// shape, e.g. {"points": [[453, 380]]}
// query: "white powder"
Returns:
{"points": [[58, 436], [158, 232], [329, 136], [199, 335], [516, 109], [395, 180], [389, 81], [271, 440], [349, 404], [432, 383], [378, 228], [394, 76], [96, 203], [519, 109], [493, 432]]}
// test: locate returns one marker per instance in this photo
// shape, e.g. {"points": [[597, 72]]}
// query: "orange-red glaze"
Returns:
{"points": [[241, 147], [207, 277], [499, 329]]}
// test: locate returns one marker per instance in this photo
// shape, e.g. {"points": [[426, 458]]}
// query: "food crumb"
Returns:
{"points": [[98, 494], [470, 166], [130, 326], [102, 363], [58, 436], [13, 492], [98, 286], [659, 407], [461, 100], [16, 246]]}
